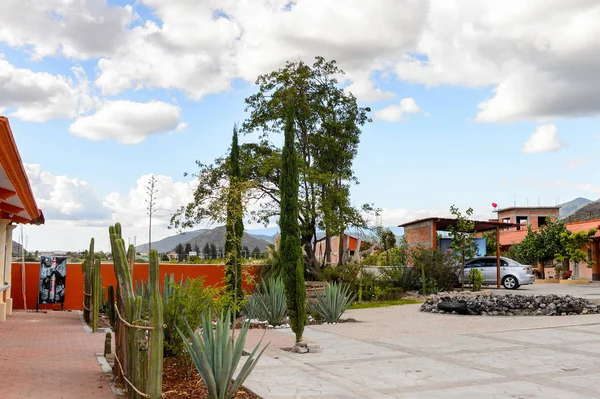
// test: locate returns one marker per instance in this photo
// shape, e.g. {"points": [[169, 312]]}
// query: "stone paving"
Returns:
{"points": [[49, 356], [399, 352]]}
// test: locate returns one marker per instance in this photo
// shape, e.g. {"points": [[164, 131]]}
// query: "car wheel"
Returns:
{"points": [[510, 283]]}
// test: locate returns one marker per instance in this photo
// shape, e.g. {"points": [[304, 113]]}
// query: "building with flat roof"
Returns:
{"points": [[535, 216]]}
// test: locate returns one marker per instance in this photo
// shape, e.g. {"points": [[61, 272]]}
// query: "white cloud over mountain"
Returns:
{"points": [[539, 58]]}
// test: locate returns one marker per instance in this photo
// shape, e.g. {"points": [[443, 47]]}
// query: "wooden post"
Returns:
{"points": [[498, 256]]}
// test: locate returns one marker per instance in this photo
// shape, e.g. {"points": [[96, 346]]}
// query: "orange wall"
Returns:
{"points": [[213, 276]]}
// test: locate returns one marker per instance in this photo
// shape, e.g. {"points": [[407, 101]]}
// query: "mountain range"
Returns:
{"points": [[589, 211], [202, 237], [569, 208]]}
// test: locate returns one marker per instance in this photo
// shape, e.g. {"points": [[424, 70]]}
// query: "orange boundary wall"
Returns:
{"points": [[213, 276]]}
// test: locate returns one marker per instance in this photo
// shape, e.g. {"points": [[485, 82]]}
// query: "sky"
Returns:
{"points": [[473, 103]]}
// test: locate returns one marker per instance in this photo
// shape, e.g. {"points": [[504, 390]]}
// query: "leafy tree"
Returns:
{"points": [[234, 227], [188, 248], [388, 241], [245, 252], [463, 237], [572, 244], [164, 258], [327, 122], [290, 246], [206, 251], [180, 251], [256, 253], [197, 249], [490, 242], [213, 251]]}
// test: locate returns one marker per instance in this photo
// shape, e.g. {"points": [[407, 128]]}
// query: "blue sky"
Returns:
{"points": [[471, 105]]}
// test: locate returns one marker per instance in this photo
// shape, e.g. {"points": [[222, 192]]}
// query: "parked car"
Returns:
{"points": [[512, 273]]}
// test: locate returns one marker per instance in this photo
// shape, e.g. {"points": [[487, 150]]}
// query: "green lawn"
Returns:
{"points": [[397, 302]]}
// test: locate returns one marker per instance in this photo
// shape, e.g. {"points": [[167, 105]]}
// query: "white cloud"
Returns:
{"points": [[76, 28], [538, 58], [41, 96], [76, 212], [64, 198], [256, 37], [544, 139], [574, 163], [395, 113], [128, 122]]}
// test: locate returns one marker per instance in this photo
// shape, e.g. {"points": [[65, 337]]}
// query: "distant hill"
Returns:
{"points": [[569, 208], [587, 212], [168, 243], [217, 236], [269, 239]]}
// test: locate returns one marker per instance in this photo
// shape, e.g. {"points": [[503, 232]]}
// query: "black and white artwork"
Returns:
{"points": [[53, 273]]}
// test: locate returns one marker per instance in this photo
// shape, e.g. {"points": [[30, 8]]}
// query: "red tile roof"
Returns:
{"points": [[516, 236]]}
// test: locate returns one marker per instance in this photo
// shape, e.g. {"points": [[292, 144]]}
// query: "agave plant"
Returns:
{"points": [[268, 302], [332, 302], [216, 356]]}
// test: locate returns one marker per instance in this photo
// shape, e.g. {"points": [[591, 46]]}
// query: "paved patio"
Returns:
{"points": [[398, 352], [49, 356]]}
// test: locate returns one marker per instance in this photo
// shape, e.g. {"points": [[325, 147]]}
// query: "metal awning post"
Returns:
{"points": [[498, 256]]}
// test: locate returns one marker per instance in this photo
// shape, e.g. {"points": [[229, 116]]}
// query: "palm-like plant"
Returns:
{"points": [[216, 356], [268, 302], [332, 302]]}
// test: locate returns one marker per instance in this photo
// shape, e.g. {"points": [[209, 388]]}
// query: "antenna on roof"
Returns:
{"points": [[514, 199]]}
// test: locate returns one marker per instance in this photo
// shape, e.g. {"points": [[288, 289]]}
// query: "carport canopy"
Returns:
{"points": [[480, 226]]}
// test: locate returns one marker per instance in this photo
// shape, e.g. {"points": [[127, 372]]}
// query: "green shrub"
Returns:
{"points": [[216, 356], [439, 266], [184, 306], [268, 302], [331, 304], [402, 277], [475, 279]]}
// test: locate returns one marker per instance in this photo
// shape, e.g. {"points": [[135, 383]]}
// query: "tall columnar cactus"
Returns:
{"points": [[155, 353], [130, 341], [112, 316], [87, 266], [131, 257], [96, 287]]}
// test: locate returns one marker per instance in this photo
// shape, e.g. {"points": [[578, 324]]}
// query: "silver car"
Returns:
{"points": [[512, 273]]}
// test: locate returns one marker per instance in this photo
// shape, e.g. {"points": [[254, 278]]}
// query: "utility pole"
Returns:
{"points": [[151, 191]]}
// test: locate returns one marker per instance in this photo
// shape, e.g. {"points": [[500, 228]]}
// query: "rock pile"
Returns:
{"points": [[510, 305]]}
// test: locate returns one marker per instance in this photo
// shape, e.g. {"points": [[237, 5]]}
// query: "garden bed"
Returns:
{"points": [[177, 385], [510, 305]]}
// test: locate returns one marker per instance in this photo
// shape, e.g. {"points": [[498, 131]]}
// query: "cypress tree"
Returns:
{"points": [[234, 226], [290, 246]]}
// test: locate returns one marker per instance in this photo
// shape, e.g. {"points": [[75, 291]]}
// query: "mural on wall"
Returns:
{"points": [[53, 273]]}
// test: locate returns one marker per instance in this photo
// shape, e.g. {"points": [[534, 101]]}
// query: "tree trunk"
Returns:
{"points": [[540, 268], [327, 249], [341, 248]]}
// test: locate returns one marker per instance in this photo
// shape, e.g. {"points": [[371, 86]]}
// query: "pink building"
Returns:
{"points": [[351, 248]]}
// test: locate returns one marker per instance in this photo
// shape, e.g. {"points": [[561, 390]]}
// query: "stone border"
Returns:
{"points": [[109, 376]]}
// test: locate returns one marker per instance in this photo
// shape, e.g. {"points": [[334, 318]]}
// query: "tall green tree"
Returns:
{"points": [[188, 248], [290, 246], [213, 251], [206, 251], [256, 253], [571, 250], [234, 226], [463, 237], [197, 249], [180, 251], [328, 128]]}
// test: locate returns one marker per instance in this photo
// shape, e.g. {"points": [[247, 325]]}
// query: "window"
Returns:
{"points": [[589, 255]]}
